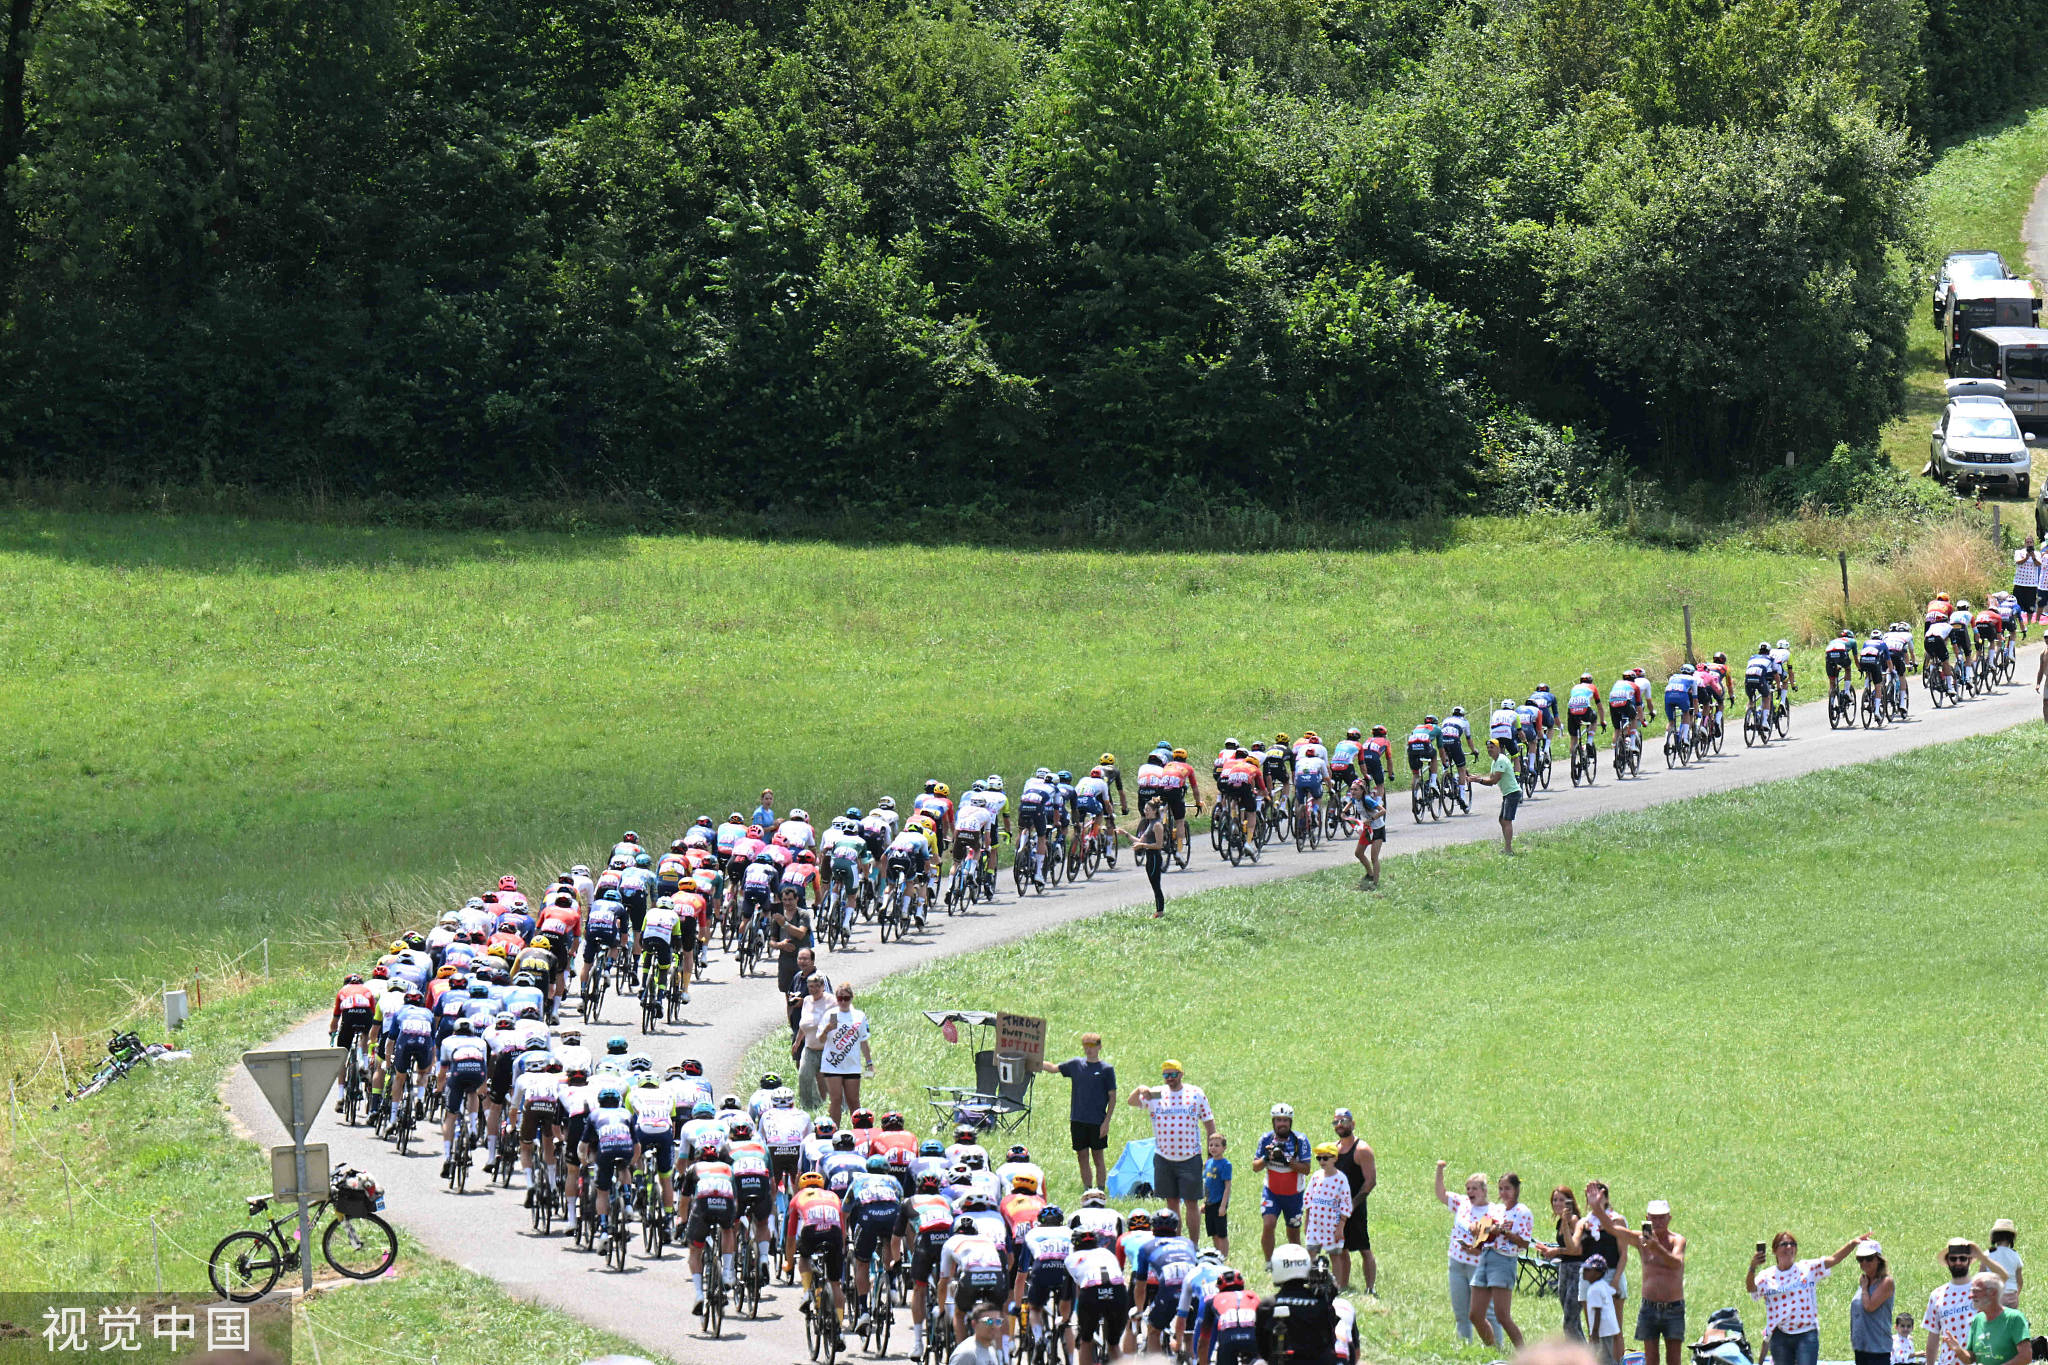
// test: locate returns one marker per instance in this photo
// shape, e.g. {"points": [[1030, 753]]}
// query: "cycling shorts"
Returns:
{"points": [[1937, 648], [1162, 1305], [924, 1257], [1756, 689], [572, 1137], [598, 940], [609, 1164], [538, 1117], [1105, 1305], [354, 1024], [1308, 784], [756, 1195], [1508, 744], [413, 1056], [463, 1084], [1453, 750], [1049, 1280], [1674, 703], [660, 949], [828, 1242], [978, 1284], [1088, 805], [1872, 668], [1419, 756], [1035, 818], [1176, 802], [1342, 775], [1375, 771], [1621, 714], [908, 861], [709, 1211], [663, 1145], [875, 1226], [636, 907]]}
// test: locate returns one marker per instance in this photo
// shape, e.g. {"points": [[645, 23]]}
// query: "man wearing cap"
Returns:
{"points": [[1355, 1163], [1094, 1088], [1181, 1124], [1283, 1155], [1661, 1316]]}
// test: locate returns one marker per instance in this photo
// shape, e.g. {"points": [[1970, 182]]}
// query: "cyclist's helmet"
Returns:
{"points": [[1051, 1216], [964, 1132], [878, 1164], [930, 1147], [629, 837], [1352, 733], [1429, 720], [580, 870], [928, 1183], [1379, 731], [1107, 760], [1166, 1224], [609, 1096], [810, 1180], [892, 1122], [975, 1160], [1092, 1198], [1140, 1221], [770, 1081], [783, 1098], [414, 997], [1720, 656], [1209, 1256], [1017, 1152], [1455, 710], [465, 1025], [853, 813], [702, 1110], [886, 803], [643, 860], [1784, 644], [1258, 746], [1095, 771], [806, 856], [1280, 738], [352, 979], [931, 786], [415, 941], [1084, 1239], [824, 1128], [1181, 754], [479, 990], [1065, 775], [640, 1061], [579, 1074], [764, 856], [964, 1226], [1312, 737], [1231, 743], [675, 846], [741, 1131], [541, 941], [503, 1021], [1688, 670], [615, 1046], [1229, 1278], [1043, 774], [980, 784], [995, 782], [1763, 646], [1585, 677], [529, 1011], [508, 882], [842, 1142], [1024, 1184], [726, 1102], [617, 865], [525, 979]]}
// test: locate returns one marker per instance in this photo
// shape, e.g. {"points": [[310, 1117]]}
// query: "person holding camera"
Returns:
{"points": [[1305, 1323]]}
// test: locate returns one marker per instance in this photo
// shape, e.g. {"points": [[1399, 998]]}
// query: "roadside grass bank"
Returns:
{"points": [[1745, 1003], [224, 731], [134, 1186]]}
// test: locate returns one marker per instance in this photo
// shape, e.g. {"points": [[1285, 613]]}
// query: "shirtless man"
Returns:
{"points": [[1662, 1314]]}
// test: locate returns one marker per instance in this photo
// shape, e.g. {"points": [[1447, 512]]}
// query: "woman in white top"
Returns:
{"points": [[2026, 579], [842, 1043], [2003, 1235], [1466, 1209]]}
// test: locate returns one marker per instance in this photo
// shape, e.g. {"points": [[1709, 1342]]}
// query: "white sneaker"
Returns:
{"points": [[683, 996]]}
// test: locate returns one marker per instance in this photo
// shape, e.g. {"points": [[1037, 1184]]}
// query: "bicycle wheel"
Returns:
{"points": [[714, 1294], [361, 1248], [1543, 765], [814, 1328], [1781, 720], [1019, 874], [1417, 802], [1056, 862], [244, 1265]]}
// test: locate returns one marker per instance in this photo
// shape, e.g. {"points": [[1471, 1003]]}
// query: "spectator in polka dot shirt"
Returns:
{"points": [[1791, 1307]]}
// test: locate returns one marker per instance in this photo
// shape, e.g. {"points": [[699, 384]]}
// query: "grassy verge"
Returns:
{"points": [[221, 731], [83, 1189], [1978, 190], [1749, 1004]]}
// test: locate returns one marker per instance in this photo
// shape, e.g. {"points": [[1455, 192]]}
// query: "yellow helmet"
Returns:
{"points": [[541, 941], [1280, 738], [1024, 1184], [810, 1180], [397, 947], [1110, 759], [942, 790], [1181, 754]]}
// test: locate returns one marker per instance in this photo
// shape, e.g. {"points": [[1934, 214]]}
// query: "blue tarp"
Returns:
{"points": [[1133, 1164]]}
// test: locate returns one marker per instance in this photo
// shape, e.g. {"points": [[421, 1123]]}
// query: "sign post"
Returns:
{"points": [[1842, 558], [296, 1082], [1688, 635]]}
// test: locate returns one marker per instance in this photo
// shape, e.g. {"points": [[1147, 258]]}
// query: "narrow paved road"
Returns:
{"points": [[488, 1230]]}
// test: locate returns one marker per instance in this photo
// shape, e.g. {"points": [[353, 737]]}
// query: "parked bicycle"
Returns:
{"points": [[246, 1265]]}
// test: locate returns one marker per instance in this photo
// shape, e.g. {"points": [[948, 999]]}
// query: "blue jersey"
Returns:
{"points": [[1345, 753], [1544, 700], [1584, 697], [1681, 687]]}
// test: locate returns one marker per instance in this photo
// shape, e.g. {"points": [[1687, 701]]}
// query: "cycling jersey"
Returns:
{"points": [[1544, 700], [1502, 723], [1345, 753]]}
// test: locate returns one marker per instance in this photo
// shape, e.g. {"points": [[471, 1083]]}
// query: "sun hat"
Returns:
{"points": [[2004, 1225], [1657, 1206], [1868, 1248], [1594, 1262], [1171, 1064], [1324, 1149]]}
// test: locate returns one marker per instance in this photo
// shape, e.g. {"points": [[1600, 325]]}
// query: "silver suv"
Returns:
{"points": [[1977, 443]]}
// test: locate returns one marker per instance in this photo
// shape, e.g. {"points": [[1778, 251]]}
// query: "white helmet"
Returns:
{"points": [[886, 803], [580, 870], [782, 1097], [1283, 1111], [995, 783], [800, 814], [1290, 1263], [1784, 644], [1042, 774]]}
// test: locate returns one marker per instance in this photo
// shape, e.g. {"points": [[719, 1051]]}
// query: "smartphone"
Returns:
{"points": [[1759, 1248], [1646, 1227]]}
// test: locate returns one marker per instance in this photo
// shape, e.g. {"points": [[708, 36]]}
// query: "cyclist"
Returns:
{"points": [[1163, 1265], [974, 832], [1939, 609], [1241, 783], [1422, 746], [1681, 701], [1311, 768], [459, 1076], [1840, 654], [909, 855], [1759, 677], [1534, 719], [538, 1098], [1714, 691], [1195, 1292], [1874, 659], [1988, 625], [1189, 788], [1102, 1295], [871, 1207], [1959, 639], [1345, 759], [970, 1268], [1035, 816], [577, 1098], [601, 932], [1091, 801], [1781, 655], [1042, 1278], [354, 1016], [412, 1042], [1582, 709], [1544, 700], [1375, 758], [653, 1108], [925, 1220], [1275, 763], [815, 1229], [711, 1193], [1503, 727], [609, 1134], [1935, 641], [754, 1184], [658, 934]]}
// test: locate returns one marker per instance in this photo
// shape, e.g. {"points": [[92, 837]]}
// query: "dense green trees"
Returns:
{"points": [[900, 252]]}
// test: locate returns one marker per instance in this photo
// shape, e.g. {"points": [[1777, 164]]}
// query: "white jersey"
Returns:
{"points": [[537, 1085], [758, 1103], [1103, 1222], [575, 1057], [1096, 1265], [783, 1130], [1899, 642], [887, 817], [974, 819]]}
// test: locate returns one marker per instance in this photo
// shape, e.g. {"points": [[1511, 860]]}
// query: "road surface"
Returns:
{"points": [[488, 1230]]}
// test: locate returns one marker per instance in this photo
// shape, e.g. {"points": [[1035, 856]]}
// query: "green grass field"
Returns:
{"points": [[1764, 1006], [219, 731], [1978, 191]]}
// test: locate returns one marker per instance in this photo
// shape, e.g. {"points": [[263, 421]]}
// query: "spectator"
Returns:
{"points": [[2026, 579], [1791, 1303], [1181, 1124], [1998, 1335], [984, 1347], [1503, 776], [1870, 1307], [789, 933], [1595, 1239], [1570, 1254], [1903, 1352], [1662, 1314], [1355, 1163], [2007, 1256], [842, 1033], [817, 1003], [1493, 1283], [1949, 1307], [1555, 1352], [1603, 1319], [1148, 845], [1283, 1155], [1093, 1084], [1326, 1204], [1466, 1209], [764, 814], [1372, 835], [1216, 1174]]}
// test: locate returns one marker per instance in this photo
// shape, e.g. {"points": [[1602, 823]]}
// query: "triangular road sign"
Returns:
{"points": [[317, 1068]]}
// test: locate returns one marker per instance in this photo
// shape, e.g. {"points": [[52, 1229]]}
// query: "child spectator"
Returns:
{"points": [[1603, 1325], [1902, 1340], [1216, 1195], [1325, 1204]]}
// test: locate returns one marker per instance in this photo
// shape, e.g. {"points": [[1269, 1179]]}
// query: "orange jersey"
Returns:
{"points": [[812, 1209], [1020, 1211], [888, 1141], [1185, 772]]}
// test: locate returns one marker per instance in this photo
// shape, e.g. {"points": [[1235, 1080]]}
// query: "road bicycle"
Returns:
{"points": [[653, 989], [1422, 795], [749, 1275], [1628, 754], [1841, 701], [246, 1265], [1677, 743], [880, 1311], [1308, 824], [1240, 834], [821, 1321], [1024, 868], [617, 1235], [938, 1324], [1539, 758], [1896, 694], [602, 967], [674, 994], [1756, 723], [1585, 756], [894, 916], [458, 1152], [544, 1198], [355, 1084], [752, 943], [715, 1294], [1056, 855], [1870, 707]]}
